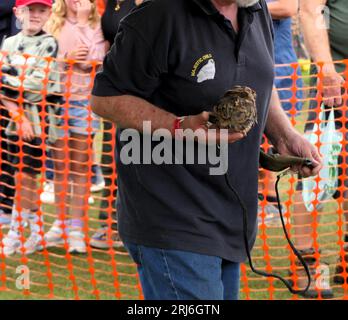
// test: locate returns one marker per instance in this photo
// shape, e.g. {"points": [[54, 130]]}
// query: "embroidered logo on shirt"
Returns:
{"points": [[206, 67]]}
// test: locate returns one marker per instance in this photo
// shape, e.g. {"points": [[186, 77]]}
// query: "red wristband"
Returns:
{"points": [[177, 123]]}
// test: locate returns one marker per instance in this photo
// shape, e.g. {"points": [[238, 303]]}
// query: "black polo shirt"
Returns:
{"points": [[182, 55]]}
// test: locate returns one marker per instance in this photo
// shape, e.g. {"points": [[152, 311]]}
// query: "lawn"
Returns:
{"points": [[54, 274], [112, 275]]}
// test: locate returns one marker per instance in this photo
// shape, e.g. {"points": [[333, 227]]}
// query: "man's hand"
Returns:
{"points": [[200, 121], [332, 83], [296, 145]]}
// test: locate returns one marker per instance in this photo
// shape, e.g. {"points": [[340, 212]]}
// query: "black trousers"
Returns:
{"points": [[7, 182], [109, 170]]}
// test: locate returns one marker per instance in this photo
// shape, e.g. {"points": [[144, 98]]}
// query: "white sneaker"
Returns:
{"points": [[54, 236], [49, 186], [76, 240], [47, 197], [33, 244], [98, 186], [91, 200], [10, 243]]}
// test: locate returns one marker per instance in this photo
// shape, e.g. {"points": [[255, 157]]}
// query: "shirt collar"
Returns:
{"points": [[256, 7], [208, 7]]}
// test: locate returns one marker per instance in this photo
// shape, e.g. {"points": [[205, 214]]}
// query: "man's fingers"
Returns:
{"points": [[233, 137], [332, 95], [316, 170], [204, 116], [316, 159], [305, 172], [310, 171], [228, 137], [218, 136]]}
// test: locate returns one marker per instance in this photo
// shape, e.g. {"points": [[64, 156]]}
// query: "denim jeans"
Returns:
{"points": [[181, 275]]}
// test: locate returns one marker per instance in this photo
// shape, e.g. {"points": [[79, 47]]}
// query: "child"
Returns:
{"points": [[24, 71], [76, 26]]}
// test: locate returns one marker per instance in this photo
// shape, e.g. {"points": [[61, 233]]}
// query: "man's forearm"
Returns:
{"points": [[130, 112], [315, 34], [278, 125], [282, 9]]}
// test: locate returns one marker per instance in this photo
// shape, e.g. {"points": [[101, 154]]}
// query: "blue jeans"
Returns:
{"points": [[181, 275]]}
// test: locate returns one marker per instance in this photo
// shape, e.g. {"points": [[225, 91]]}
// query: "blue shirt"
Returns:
{"points": [[284, 53]]}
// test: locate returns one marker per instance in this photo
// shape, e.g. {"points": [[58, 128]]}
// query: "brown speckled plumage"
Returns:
{"points": [[236, 110]]}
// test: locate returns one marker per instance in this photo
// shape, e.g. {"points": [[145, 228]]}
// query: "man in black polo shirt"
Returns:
{"points": [[181, 225]]}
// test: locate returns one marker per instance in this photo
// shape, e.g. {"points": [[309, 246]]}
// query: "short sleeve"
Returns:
{"points": [[269, 17], [129, 67]]}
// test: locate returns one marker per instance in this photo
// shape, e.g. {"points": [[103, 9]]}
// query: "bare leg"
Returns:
{"points": [[270, 183], [302, 223], [267, 181], [79, 161], [61, 176], [28, 195], [304, 241]]}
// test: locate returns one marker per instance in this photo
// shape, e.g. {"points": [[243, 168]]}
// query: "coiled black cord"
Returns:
{"points": [[246, 242]]}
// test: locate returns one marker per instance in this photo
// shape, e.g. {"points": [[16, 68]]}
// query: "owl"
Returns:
{"points": [[236, 110]]}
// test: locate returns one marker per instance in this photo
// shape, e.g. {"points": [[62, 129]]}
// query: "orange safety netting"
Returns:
{"points": [[100, 6], [109, 273]]}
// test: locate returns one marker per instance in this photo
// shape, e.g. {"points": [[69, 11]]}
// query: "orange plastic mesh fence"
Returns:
{"points": [[109, 273]]}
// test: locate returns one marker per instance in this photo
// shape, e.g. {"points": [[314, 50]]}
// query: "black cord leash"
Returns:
{"points": [[246, 242]]}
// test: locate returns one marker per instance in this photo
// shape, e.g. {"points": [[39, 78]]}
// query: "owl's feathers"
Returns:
{"points": [[236, 110]]}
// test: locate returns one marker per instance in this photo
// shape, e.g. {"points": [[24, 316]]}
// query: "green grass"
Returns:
{"points": [[277, 255], [115, 279], [54, 274]]}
